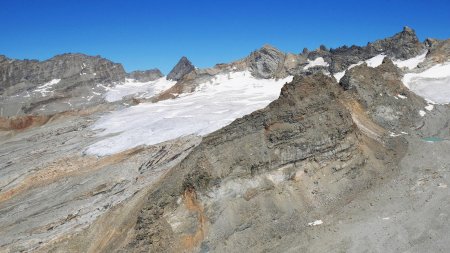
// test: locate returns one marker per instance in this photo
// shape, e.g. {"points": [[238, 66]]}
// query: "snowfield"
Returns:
{"points": [[143, 89], [433, 84], [212, 106]]}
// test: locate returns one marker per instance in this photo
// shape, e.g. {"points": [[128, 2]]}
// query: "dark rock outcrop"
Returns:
{"points": [[183, 67]]}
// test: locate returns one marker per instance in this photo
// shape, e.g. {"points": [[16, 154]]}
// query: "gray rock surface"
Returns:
{"points": [[183, 67], [62, 83], [146, 75], [383, 95], [50, 191], [73, 70]]}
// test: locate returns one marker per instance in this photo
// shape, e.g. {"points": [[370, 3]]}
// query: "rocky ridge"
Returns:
{"points": [[269, 62]]}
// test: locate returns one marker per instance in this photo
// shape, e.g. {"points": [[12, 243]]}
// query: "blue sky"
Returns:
{"points": [[148, 34]]}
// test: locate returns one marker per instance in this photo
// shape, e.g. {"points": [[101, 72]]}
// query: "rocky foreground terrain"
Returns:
{"points": [[330, 150]]}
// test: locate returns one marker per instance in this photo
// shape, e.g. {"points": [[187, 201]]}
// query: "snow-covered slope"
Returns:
{"points": [[142, 89], [411, 63], [432, 84], [213, 105]]}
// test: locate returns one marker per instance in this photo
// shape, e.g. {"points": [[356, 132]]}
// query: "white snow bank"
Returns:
{"points": [[433, 84], [45, 88], [372, 62], [212, 106], [375, 61], [143, 89], [410, 63], [319, 61], [315, 223], [339, 75]]}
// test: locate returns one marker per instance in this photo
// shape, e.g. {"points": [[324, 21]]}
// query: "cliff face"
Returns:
{"points": [[301, 154], [72, 69], [63, 83]]}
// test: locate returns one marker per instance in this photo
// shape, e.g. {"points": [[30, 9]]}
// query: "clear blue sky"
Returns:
{"points": [[148, 34]]}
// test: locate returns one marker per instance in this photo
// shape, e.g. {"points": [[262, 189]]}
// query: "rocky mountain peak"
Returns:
{"points": [[183, 67], [265, 62], [403, 45], [408, 29]]}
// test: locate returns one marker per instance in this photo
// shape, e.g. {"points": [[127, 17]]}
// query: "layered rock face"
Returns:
{"points": [[300, 153], [62, 83], [73, 70], [67, 82]]}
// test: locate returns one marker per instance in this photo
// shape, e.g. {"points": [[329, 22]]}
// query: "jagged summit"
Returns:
{"points": [[183, 67]]}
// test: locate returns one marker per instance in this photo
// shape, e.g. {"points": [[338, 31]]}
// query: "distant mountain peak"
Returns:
{"points": [[183, 67], [408, 29]]}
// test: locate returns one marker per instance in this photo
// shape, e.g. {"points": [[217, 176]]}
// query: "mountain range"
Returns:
{"points": [[328, 150]]}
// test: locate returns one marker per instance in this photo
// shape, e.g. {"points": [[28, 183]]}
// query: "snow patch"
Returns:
{"points": [[433, 84], [412, 62], [45, 88], [375, 61], [422, 113], [319, 61], [212, 106], [339, 75], [315, 223], [429, 107]]}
